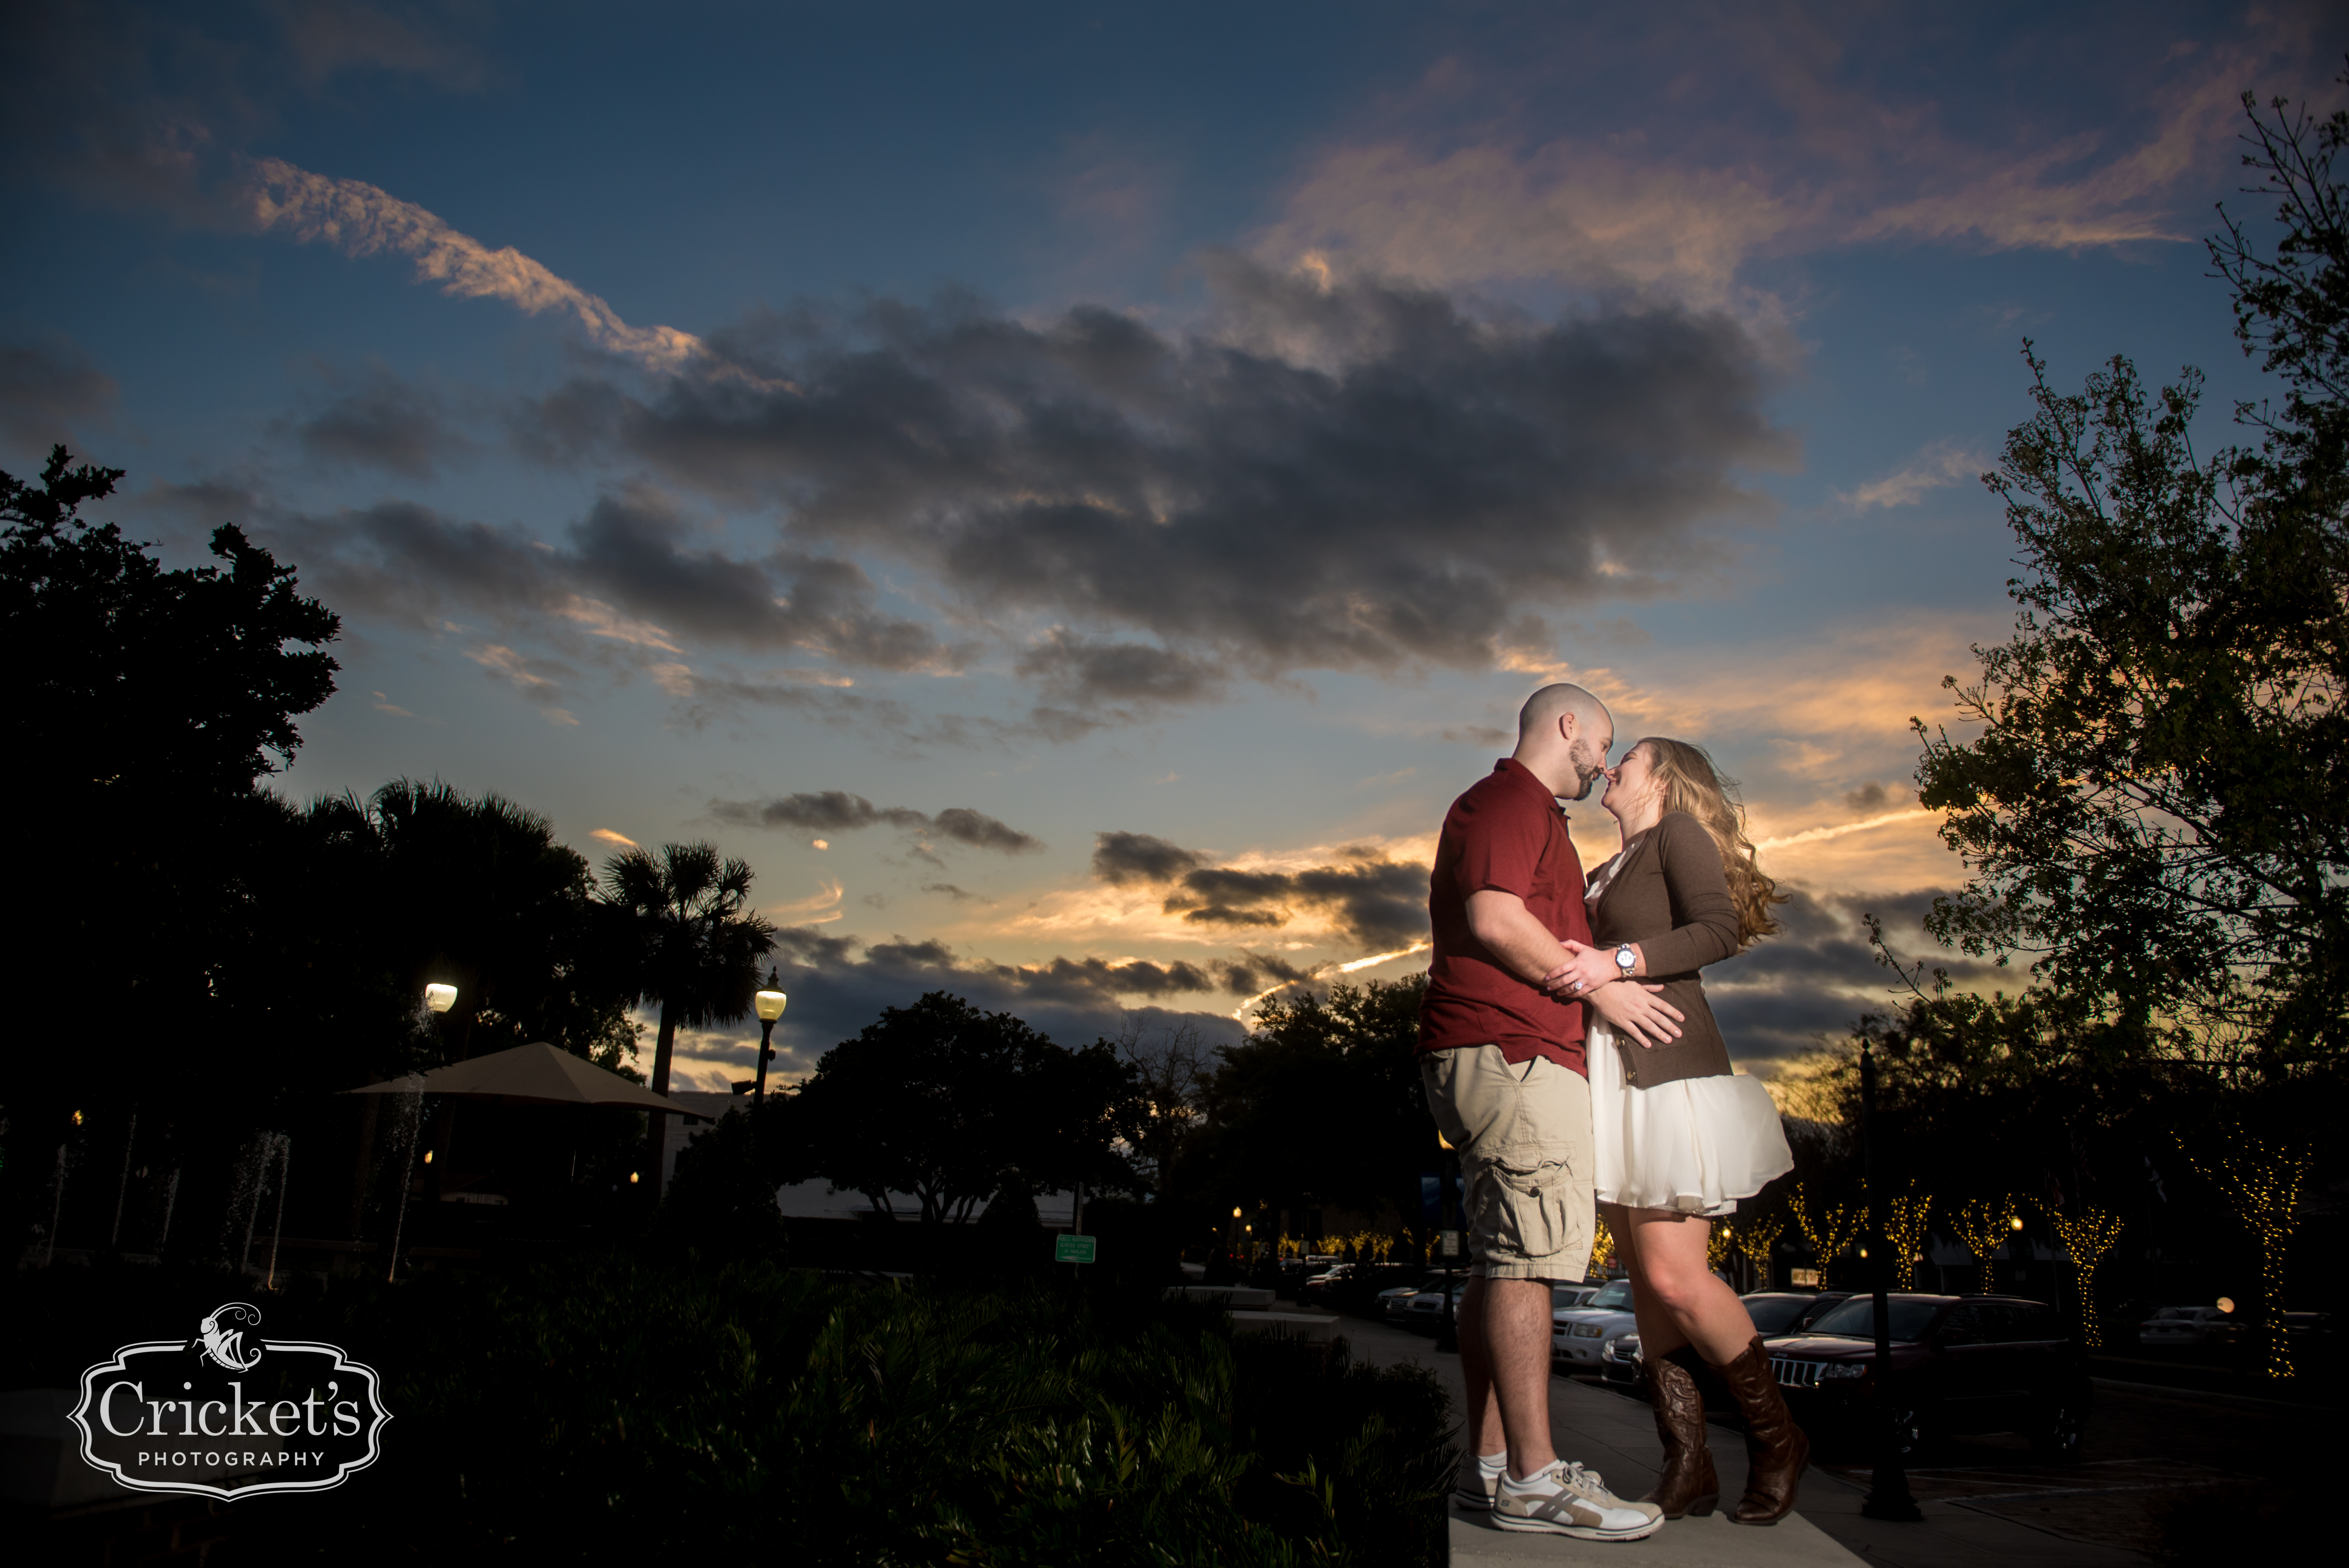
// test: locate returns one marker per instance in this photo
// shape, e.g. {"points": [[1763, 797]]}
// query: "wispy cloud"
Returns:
{"points": [[1936, 467], [362, 219], [606, 835]]}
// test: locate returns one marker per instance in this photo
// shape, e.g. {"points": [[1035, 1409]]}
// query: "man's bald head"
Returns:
{"points": [[1564, 734]]}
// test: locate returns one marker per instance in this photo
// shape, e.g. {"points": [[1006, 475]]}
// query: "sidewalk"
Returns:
{"points": [[1982, 1517]]}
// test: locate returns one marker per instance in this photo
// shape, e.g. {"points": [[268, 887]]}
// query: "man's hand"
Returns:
{"points": [[1586, 969], [1637, 1011]]}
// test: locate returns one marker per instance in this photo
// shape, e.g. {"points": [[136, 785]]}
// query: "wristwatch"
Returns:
{"points": [[1626, 960]]}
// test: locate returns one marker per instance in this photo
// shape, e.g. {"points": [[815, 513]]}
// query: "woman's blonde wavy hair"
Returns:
{"points": [[1692, 783]]}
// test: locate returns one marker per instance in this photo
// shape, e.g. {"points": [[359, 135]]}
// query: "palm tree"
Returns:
{"points": [[684, 938], [481, 895]]}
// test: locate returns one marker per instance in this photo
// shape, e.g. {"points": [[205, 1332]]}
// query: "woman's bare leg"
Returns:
{"points": [[1691, 1306]]}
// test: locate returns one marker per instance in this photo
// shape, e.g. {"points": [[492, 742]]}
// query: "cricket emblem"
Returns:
{"points": [[225, 1344]]}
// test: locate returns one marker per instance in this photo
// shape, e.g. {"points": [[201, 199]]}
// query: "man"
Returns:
{"points": [[1502, 1061]]}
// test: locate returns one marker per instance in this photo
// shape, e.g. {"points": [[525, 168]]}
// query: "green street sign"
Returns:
{"points": [[1072, 1249]]}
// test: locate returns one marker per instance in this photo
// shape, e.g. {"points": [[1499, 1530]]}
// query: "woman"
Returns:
{"points": [[1678, 1137]]}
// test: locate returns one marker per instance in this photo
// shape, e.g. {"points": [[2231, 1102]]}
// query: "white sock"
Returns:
{"points": [[1490, 1465]]}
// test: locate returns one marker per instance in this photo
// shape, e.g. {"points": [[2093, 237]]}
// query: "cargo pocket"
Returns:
{"points": [[1532, 1195]]}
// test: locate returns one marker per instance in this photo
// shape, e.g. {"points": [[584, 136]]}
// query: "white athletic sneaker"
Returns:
{"points": [[1567, 1500], [1472, 1489]]}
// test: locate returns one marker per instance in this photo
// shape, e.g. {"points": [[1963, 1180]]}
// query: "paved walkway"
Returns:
{"points": [[1970, 1519]]}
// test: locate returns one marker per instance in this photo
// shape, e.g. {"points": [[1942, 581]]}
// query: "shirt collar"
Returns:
{"points": [[1523, 778]]}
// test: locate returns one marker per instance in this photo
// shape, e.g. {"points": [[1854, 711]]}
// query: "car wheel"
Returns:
{"points": [[2063, 1426]]}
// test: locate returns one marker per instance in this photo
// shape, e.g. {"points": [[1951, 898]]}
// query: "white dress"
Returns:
{"points": [[1693, 1145]]}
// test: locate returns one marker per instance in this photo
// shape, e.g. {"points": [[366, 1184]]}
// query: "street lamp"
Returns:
{"points": [[438, 998], [769, 1004]]}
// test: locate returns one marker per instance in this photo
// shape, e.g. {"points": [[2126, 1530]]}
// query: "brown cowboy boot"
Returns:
{"points": [[1775, 1448], [1688, 1484]]}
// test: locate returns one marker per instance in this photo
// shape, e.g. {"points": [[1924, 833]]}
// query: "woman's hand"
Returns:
{"points": [[1586, 969]]}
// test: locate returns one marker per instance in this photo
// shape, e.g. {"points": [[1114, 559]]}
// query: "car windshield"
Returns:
{"points": [[1856, 1319], [1565, 1295], [1616, 1297], [1776, 1314]]}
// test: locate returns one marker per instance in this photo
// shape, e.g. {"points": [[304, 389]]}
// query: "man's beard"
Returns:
{"points": [[1588, 771]]}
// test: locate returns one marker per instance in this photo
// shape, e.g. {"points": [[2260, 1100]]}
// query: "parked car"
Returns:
{"points": [[1394, 1303], [1789, 1311], [2172, 1327], [1426, 1308], [1621, 1363], [1320, 1284], [1579, 1336], [1959, 1364], [1567, 1297]]}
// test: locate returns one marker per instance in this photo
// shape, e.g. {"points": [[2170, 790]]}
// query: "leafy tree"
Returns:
{"points": [[955, 1106], [1321, 1103], [145, 705], [2152, 805], [479, 894], [682, 933]]}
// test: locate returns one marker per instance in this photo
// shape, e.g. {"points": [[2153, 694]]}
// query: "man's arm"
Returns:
{"points": [[1506, 929]]}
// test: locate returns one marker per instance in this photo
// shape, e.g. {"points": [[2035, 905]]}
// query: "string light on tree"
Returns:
{"points": [[1904, 1232], [1720, 1246], [2086, 1236], [1982, 1223], [2263, 1182], [1602, 1246], [1755, 1239], [1830, 1229]]}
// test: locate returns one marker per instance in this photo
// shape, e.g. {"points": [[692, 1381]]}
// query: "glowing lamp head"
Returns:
{"points": [[1236, 1208], [2226, 1304], [770, 1005], [439, 998], [632, 1178], [2014, 1222]]}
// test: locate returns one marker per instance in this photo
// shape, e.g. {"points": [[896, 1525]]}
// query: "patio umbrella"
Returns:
{"points": [[535, 1074]]}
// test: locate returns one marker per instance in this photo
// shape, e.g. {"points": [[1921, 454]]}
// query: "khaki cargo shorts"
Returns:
{"points": [[1523, 1134]]}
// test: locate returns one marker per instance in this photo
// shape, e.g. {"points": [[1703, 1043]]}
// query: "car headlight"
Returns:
{"points": [[1587, 1331], [1835, 1370]]}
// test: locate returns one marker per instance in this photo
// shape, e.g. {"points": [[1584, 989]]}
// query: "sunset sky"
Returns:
{"points": [[1070, 494]]}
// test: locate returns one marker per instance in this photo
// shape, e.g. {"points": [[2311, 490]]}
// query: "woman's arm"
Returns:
{"points": [[1705, 917]]}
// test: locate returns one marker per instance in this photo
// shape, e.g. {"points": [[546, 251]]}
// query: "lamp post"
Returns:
{"points": [[1887, 1493], [438, 999], [1447, 1332], [769, 1004]]}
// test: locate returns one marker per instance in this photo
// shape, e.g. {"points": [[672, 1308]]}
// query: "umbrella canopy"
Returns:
{"points": [[536, 1074]]}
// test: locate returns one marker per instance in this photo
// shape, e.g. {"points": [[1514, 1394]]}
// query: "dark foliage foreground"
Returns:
{"points": [[575, 1410]]}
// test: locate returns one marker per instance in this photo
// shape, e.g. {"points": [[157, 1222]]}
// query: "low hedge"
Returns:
{"points": [[580, 1408]]}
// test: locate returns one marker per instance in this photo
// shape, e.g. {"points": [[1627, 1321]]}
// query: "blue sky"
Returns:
{"points": [[958, 434]]}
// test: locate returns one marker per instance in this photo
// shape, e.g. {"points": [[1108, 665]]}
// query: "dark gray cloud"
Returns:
{"points": [[1123, 858], [838, 985], [1364, 475], [1372, 899], [635, 551], [46, 387], [838, 812], [383, 423], [1813, 980]]}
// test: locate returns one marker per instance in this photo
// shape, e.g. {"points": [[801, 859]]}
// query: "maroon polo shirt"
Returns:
{"points": [[1507, 832]]}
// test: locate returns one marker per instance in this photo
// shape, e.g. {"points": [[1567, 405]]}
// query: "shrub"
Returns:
{"points": [[575, 1410]]}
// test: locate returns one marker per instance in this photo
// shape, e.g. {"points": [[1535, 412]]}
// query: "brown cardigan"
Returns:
{"points": [[1671, 897]]}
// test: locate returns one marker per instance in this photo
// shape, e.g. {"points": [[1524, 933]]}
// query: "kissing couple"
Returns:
{"points": [[1569, 1057]]}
